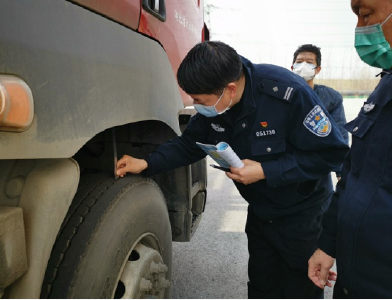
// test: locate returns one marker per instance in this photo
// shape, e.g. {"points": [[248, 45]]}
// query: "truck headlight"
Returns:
{"points": [[16, 104]]}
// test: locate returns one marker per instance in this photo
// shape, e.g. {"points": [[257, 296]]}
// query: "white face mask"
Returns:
{"points": [[305, 70]]}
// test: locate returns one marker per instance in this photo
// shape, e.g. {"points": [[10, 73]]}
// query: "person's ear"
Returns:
{"points": [[232, 88], [318, 69]]}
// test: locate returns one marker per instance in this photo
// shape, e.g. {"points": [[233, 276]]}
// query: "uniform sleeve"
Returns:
{"points": [[180, 151], [317, 146], [339, 116], [327, 240]]}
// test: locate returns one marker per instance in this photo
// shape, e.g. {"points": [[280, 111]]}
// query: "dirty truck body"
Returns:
{"points": [[82, 81]]}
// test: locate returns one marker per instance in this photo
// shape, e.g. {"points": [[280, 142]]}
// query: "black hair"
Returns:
{"points": [[309, 48], [208, 68]]}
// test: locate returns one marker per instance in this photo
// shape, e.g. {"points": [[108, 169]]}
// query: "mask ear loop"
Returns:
{"points": [[226, 109], [386, 20], [220, 97]]}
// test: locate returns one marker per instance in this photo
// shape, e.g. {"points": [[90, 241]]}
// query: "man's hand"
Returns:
{"points": [[319, 270], [251, 172], [129, 164]]}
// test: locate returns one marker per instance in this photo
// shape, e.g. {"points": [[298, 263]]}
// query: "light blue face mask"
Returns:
{"points": [[210, 111], [372, 47]]}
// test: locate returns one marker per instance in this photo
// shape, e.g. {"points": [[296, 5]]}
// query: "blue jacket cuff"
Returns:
{"points": [[327, 244], [272, 174]]}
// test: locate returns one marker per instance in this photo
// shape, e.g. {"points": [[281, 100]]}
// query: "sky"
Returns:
{"points": [[269, 31]]}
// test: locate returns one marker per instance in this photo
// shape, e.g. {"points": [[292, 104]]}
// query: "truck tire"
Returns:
{"points": [[115, 242]]}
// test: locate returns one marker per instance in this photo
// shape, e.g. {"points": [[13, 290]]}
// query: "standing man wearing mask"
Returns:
{"points": [[288, 144], [307, 64], [357, 228]]}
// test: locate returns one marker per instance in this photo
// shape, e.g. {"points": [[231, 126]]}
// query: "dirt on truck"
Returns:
{"points": [[81, 83]]}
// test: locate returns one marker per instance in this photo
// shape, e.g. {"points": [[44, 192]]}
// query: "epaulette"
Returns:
{"points": [[277, 89]]}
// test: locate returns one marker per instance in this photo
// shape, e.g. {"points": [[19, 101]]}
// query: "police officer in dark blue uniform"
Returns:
{"points": [[357, 229], [275, 123]]}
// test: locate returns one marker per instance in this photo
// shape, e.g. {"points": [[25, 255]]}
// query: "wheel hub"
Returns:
{"points": [[144, 274]]}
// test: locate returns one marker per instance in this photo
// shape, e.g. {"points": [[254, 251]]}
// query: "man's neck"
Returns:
{"points": [[311, 83]]}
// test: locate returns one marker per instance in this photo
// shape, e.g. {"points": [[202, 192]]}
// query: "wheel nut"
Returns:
{"points": [[163, 268], [165, 283], [154, 268], [145, 285]]}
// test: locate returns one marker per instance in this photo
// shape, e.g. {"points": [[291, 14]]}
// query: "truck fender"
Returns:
{"points": [[50, 181]]}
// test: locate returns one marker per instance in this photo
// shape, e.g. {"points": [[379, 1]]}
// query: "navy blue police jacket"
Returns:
{"points": [[281, 125], [357, 228]]}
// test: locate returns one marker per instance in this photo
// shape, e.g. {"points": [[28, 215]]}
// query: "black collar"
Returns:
{"points": [[384, 72], [247, 96]]}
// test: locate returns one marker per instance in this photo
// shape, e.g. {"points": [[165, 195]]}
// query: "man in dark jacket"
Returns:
{"points": [[357, 229], [275, 123], [307, 64]]}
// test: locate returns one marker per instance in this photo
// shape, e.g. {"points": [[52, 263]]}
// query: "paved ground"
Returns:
{"points": [[214, 264]]}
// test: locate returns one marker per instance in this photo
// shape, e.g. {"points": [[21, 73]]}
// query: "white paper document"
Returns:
{"points": [[222, 154]]}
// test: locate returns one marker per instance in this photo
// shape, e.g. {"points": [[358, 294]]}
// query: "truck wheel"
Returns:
{"points": [[114, 243]]}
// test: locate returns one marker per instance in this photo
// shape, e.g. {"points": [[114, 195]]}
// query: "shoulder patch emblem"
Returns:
{"points": [[217, 127], [317, 122]]}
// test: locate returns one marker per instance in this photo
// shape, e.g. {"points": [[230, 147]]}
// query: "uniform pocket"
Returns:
{"points": [[360, 129], [284, 196], [359, 126], [268, 147], [304, 189]]}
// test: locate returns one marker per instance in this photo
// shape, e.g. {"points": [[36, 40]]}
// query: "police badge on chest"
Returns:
{"points": [[266, 132]]}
